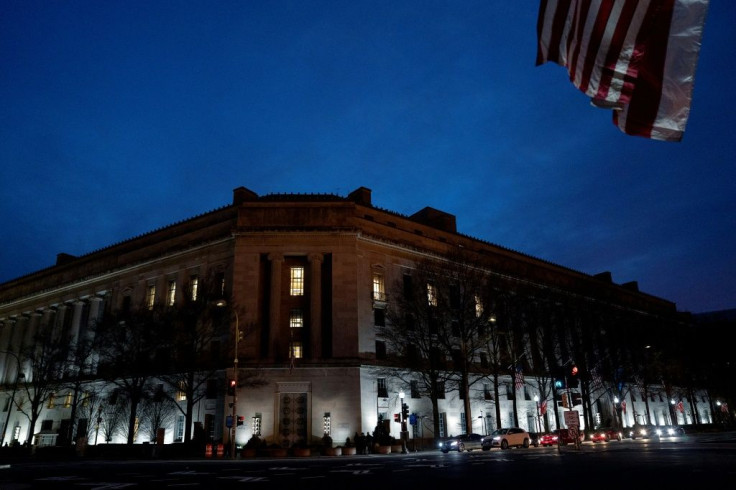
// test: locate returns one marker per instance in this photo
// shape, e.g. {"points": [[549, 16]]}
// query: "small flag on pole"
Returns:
{"points": [[519, 378], [543, 407], [680, 407], [724, 407], [635, 57], [623, 406]]}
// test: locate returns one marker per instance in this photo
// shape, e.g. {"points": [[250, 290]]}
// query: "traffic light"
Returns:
{"points": [[231, 387], [404, 411], [241, 419], [573, 379], [397, 417], [559, 379], [577, 399]]}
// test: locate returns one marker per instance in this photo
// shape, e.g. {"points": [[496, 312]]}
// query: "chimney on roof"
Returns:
{"points": [[631, 285], [436, 219], [241, 195], [62, 258], [604, 276], [361, 195]]}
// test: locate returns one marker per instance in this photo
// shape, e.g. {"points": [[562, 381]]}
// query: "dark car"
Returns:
{"points": [[464, 442], [606, 434], [639, 431], [534, 438], [670, 431], [561, 437]]}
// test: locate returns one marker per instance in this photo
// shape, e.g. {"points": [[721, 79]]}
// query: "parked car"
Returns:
{"points": [[561, 437], [605, 434], [464, 442], [506, 438]]}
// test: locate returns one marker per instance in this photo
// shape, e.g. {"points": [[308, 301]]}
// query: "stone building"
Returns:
{"points": [[307, 278]]}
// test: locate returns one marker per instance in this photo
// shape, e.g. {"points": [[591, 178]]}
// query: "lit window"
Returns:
{"points": [[151, 296], [327, 424], [256, 423], [193, 287], [296, 285], [478, 307], [295, 349], [379, 292], [181, 395], [296, 318], [68, 400], [431, 294], [171, 294], [52, 401], [86, 399]]}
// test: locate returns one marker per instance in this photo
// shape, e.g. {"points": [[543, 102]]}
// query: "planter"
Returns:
{"points": [[277, 453], [248, 453], [384, 450], [397, 448], [333, 451], [302, 451], [349, 451]]}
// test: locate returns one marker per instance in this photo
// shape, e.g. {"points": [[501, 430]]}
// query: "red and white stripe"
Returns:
{"points": [[635, 56]]}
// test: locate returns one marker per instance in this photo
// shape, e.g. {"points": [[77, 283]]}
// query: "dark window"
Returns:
{"points": [[483, 360], [415, 389], [47, 425], [379, 317], [380, 349], [455, 326], [441, 389], [211, 389], [382, 388], [408, 286], [454, 297]]}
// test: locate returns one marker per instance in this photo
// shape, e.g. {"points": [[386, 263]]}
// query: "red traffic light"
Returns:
{"points": [[397, 417], [232, 383], [574, 370]]}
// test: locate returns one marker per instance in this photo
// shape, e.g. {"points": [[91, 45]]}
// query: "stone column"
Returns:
{"points": [[315, 305], [275, 305]]}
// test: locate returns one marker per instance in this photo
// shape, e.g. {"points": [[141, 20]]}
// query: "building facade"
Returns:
{"points": [[307, 279]]}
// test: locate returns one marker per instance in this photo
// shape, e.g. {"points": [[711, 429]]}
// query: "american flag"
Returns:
{"points": [[637, 57], [519, 378], [680, 407], [623, 406], [543, 407], [724, 407]]}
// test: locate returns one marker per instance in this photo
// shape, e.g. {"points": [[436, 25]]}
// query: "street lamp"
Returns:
{"points": [[233, 428], [20, 377]]}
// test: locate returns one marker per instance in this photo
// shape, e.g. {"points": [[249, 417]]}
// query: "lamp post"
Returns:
{"points": [[615, 413], [20, 377], [234, 426], [403, 425]]}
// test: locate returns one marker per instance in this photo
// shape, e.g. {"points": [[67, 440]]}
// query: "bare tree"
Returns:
{"points": [[43, 363], [436, 313], [132, 353]]}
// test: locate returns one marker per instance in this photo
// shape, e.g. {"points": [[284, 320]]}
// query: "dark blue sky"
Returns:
{"points": [[119, 117]]}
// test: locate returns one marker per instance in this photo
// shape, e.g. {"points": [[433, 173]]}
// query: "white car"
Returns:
{"points": [[506, 438]]}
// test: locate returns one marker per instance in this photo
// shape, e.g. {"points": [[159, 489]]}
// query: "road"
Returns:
{"points": [[682, 463]]}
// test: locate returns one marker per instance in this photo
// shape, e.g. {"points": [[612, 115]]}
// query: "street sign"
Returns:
{"points": [[572, 419]]}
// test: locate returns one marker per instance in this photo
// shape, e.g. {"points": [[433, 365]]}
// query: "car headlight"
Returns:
{"points": [[671, 432], [453, 443]]}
